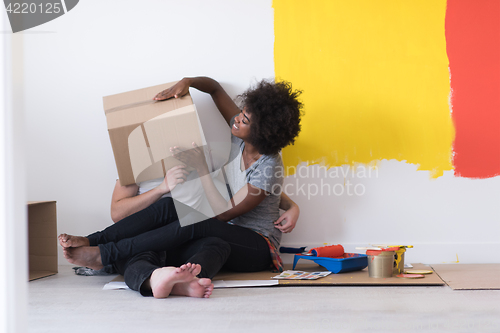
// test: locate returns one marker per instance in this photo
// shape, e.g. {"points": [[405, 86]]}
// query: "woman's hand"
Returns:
{"points": [[180, 89], [290, 217], [193, 157], [176, 175]]}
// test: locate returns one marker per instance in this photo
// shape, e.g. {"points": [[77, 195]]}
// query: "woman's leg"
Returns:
{"points": [[156, 215], [211, 253], [146, 274], [138, 269], [249, 250]]}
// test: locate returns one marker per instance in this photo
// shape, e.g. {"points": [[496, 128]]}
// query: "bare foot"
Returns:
{"points": [[87, 256], [163, 279], [72, 241], [196, 288]]}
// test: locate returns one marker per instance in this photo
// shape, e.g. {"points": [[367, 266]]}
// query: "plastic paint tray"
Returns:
{"points": [[350, 262]]}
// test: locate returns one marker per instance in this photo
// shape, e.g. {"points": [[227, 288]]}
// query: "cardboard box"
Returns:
{"points": [[142, 131], [42, 239]]}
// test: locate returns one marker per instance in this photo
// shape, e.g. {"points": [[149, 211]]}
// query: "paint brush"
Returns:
{"points": [[295, 250]]}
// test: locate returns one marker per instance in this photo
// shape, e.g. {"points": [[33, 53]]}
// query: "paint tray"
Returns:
{"points": [[349, 262]]}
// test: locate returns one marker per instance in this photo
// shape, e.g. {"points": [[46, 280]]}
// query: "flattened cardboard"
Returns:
{"points": [[469, 276], [42, 239], [142, 131], [357, 278]]}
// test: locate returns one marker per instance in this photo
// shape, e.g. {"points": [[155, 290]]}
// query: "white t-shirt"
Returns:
{"points": [[190, 192]]}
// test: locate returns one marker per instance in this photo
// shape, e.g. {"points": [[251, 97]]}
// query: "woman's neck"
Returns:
{"points": [[250, 150]]}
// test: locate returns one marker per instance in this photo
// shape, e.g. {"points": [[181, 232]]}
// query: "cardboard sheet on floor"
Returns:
{"points": [[469, 276], [357, 278]]}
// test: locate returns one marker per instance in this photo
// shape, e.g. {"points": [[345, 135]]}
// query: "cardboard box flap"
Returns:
{"points": [[150, 143], [134, 97], [142, 131], [140, 113], [142, 98], [159, 132], [38, 202]]}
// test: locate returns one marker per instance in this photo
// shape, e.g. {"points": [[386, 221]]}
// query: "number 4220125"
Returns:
{"points": [[25, 8]]}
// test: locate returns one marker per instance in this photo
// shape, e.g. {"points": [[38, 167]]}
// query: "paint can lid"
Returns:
{"points": [[418, 271], [410, 276]]}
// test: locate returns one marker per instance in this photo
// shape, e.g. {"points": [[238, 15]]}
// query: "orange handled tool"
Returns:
{"points": [[330, 251]]}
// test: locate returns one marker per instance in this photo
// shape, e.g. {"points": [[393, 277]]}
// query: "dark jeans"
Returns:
{"points": [[157, 228], [210, 252]]}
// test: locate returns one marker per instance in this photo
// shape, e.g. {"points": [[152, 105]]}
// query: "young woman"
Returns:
{"points": [[249, 222]]}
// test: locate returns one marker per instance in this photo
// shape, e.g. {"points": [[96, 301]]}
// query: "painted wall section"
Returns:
{"points": [[375, 79], [473, 45]]}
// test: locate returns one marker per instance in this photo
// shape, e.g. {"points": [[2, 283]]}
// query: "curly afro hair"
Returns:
{"points": [[276, 112]]}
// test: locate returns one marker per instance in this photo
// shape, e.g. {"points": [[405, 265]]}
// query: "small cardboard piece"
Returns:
{"points": [[42, 239], [469, 276], [142, 131]]}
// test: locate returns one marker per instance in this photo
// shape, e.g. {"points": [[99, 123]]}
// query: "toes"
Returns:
{"points": [[196, 269], [208, 293], [61, 239], [205, 282]]}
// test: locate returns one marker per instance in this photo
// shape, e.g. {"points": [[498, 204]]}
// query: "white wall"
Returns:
{"points": [[106, 47], [447, 219]]}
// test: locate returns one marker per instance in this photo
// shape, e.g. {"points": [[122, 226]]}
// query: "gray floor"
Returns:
{"points": [[70, 303]]}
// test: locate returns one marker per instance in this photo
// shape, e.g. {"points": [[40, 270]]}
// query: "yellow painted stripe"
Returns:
{"points": [[375, 79]]}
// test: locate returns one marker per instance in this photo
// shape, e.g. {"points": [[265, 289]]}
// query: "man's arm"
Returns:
{"points": [[125, 200]]}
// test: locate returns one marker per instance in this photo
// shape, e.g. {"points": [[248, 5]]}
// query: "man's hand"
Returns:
{"points": [[176, 175], [180, 89]]}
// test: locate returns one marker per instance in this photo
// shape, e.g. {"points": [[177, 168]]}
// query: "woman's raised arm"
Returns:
{"points": [[224, 103]]}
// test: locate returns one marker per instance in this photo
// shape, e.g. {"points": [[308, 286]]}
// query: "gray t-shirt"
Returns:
{"points": [[267, 174]]}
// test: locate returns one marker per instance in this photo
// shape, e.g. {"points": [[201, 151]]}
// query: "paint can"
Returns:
{"points": [[399, 261], [380, 263]]}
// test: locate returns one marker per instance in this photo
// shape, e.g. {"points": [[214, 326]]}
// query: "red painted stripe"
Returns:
{"points": [[473, 46]]}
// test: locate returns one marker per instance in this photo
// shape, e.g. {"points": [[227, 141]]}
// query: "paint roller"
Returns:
{"points": [[330, 251]]}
